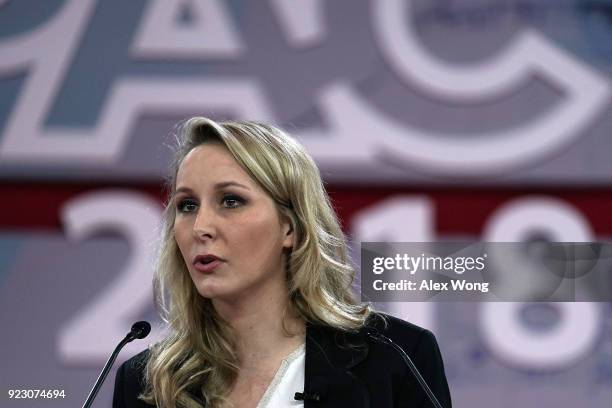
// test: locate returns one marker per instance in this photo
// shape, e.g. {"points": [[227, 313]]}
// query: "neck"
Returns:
{"points": [[257, 322]]}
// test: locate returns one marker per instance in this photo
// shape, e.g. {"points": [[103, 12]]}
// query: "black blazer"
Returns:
{"points": [[343, 369]]}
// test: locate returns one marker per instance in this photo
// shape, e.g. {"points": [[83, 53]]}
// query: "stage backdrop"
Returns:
{"points": [[430, 120]]}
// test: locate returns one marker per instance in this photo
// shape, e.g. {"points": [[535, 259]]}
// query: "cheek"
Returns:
{"points": [[181, 234], [260, 237]]}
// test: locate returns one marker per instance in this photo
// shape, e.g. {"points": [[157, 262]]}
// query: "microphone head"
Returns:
{"points": [[141, 329]]}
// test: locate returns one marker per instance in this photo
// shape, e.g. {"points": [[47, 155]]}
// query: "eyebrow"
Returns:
{"points": [[217, 186]]}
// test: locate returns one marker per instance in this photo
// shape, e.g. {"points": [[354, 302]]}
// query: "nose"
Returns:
{"points": [[204, 225]]}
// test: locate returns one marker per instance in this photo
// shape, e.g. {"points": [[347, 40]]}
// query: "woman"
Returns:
{"points": [[254, 282]]}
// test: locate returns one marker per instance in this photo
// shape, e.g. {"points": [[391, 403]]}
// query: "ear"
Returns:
{"points": [[289, 236]]}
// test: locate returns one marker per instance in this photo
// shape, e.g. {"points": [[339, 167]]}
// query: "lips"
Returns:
{"points": [[207, 263]]}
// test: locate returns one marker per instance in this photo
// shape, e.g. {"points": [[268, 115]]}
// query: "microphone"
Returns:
{"points": [[384, 339], [317, 391], [139, 330], [307, 396]]}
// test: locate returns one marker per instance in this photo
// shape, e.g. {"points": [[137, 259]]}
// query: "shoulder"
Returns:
{"points": [[408, 335], [137, 362], [416, 341], [419, 344], [392, 326], [129, 382], [133, 369]]}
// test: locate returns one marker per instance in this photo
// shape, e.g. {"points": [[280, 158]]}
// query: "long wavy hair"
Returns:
{"points": [[198, 356]]}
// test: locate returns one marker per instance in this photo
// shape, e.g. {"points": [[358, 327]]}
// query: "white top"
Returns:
{"points": [[288, 380]]}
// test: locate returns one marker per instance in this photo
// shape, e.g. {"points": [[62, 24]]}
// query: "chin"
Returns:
{"points": [[210, 292], [214, 291]]}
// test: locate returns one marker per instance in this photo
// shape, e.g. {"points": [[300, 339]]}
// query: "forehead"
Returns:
{"points": [[211, 162]]}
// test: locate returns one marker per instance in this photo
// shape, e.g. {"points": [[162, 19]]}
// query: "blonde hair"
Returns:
{"points": [[198, 356]]}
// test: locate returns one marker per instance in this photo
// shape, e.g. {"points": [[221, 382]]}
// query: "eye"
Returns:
{"points": [[232, 201], [186, 206]]}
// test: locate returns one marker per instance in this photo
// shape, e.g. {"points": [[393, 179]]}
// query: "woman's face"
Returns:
{"points": [[227, 228]]}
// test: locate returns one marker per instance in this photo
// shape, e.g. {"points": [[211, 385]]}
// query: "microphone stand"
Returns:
{"points": [[415, 372], [139, 331]]}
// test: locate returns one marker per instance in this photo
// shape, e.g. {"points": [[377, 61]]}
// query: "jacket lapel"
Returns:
{"points": [[330, 356]]}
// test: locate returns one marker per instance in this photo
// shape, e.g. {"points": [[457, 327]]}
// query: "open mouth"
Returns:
{"points": [[206, 263]]}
